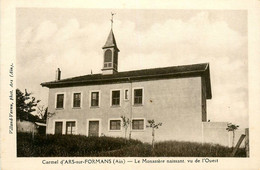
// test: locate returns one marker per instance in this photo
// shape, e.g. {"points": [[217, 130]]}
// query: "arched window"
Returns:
{"points": [[108, 58]]}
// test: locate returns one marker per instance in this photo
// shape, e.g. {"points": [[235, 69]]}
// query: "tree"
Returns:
{"points": [[154, 126], [231, 128], [125, 124], [42, 112], [45, 116], [25, 105]]}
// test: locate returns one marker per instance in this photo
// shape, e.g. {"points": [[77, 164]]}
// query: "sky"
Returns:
{"points": [[72, 40]]}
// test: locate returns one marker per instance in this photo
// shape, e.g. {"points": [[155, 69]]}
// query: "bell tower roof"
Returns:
{"points": [[110, 49], [111, 41]]}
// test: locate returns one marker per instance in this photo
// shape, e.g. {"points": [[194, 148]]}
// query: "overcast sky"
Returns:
{"points": [[72, 40]]}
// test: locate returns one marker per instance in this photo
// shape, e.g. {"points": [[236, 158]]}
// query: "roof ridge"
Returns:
{"points": [[167, 67], [70, 78], [130, 71], [201, 69]]}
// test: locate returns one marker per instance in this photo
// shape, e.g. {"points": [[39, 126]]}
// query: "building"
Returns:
{"points": [[30, 127], [93, 104]]}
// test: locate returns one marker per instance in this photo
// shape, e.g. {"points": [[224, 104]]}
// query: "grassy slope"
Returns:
{"points": [[76, 145]]}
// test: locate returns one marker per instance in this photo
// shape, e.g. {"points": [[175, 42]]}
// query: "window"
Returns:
{"points": [[115, 125], [76, 99], [116, 98], [70, 127], [108, 59], [138, 96], [58, 127], [94, 98], [60, 101], [138, 124], [126, 97]]}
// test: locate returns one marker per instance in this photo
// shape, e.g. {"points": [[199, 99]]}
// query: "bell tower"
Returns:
{"points": [[110, 64]]}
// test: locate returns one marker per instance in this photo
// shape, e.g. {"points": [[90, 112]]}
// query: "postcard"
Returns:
{"points": [[130, 85]]}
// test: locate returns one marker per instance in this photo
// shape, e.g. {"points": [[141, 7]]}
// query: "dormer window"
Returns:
{"points": [[108, 59]]}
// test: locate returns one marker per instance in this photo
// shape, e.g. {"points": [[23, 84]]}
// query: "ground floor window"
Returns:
{"points": [[93, 129], [138, 124], [58, 127], [70, 127], [115, 125]]}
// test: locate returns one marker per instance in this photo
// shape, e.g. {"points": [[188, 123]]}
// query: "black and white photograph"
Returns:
{"points": [[132, 82], [129, 86]]}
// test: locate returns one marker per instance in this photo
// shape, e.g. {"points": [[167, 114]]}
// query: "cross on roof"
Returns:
{"points": [[112, 14]]}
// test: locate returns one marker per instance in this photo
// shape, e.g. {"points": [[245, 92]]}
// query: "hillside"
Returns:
{"points": [[79, 146]]}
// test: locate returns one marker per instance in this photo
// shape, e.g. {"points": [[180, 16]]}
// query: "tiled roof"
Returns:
{"points": [[138, 75]]}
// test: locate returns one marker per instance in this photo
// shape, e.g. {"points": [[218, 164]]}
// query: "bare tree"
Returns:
{"points": [[41, 111], [125, 124], [154, 126]]}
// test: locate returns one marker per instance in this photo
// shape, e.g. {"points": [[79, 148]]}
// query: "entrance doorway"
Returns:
{"points": [[93, 128]]}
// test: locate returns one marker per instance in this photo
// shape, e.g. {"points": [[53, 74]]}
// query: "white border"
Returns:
{"points": [[64, 121], [133, 89], [136, 130], [253, 66], [76, 125], [120, 97], [125, 93], [64, 101], [54, 122], [109, 124], [99, 98], [72, 99]]}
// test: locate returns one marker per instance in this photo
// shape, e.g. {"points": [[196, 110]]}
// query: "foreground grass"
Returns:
{"points": [[67, 145], [77, 145]]}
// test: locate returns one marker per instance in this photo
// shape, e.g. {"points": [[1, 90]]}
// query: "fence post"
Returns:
{"points": [[237, 145], [247, 142]]}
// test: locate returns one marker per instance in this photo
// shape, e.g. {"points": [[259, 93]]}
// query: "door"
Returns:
{"points": [[93, 129], [58, 127]]}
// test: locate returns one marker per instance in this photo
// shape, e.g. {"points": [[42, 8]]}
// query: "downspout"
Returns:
{"points": [[130, 102]]}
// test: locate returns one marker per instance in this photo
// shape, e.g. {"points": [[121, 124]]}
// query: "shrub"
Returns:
{"points": [[67, 145], [78, 145]]}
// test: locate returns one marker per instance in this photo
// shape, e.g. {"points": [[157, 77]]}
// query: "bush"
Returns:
{"points": [[78, 145], [67, 145]]}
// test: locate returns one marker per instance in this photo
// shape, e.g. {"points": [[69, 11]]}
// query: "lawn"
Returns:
{"points": [[79, 146]]}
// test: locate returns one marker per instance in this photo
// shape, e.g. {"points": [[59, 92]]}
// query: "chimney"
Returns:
{"points": [[58, 74]]}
